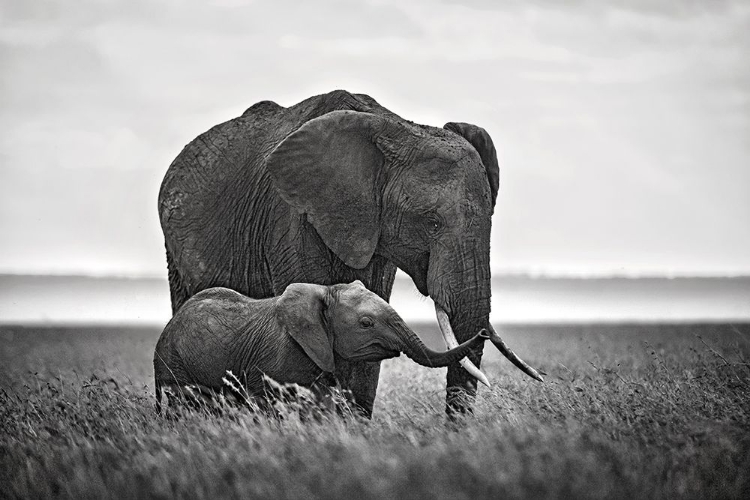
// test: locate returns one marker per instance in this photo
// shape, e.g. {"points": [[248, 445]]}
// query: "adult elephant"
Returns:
{"points": [[334, 189]]}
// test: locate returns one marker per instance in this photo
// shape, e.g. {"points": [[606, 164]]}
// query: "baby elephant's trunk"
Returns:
{"points": [[415, 349], [425, 356]]}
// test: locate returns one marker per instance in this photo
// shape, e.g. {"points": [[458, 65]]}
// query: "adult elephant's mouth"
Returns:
{"points": [[451, 342]]}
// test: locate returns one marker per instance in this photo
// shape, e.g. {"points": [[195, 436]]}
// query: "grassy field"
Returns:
{"points": [[626, 412]]}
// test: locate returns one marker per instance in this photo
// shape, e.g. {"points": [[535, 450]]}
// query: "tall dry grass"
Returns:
{"points": [[626, 412]]}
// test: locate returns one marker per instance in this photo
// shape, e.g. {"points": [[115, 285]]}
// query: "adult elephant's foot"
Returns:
{"points": [[361, 379]]}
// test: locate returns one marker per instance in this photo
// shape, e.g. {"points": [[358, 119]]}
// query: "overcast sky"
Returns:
{"points": [[623, 130]]}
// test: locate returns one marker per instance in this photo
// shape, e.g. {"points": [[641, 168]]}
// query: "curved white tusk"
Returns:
{"points": [[512, 356], [451, 342]]}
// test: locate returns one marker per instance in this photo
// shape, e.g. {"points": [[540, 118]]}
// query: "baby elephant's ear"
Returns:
{"points": [[300, 311]]}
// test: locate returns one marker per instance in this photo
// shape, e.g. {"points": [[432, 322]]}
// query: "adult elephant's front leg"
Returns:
{"points": [[361, 378], [461, 387]]}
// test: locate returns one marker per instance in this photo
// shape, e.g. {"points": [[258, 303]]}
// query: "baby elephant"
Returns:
{"points": [[293, 338]]}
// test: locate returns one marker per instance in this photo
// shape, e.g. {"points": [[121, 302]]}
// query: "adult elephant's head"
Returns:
{"points": [[420, 196]]}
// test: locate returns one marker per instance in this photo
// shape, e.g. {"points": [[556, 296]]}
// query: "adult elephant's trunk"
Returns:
{"points": [[416, 350], [450, 341], [458, 282], [460, 285]]}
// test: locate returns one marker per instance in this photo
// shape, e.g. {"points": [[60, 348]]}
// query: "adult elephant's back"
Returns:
{"points": [[216, 193]]}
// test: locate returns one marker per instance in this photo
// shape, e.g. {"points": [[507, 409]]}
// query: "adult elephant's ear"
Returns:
{"points": [[328, 169], [299, 311], [482, 142]]}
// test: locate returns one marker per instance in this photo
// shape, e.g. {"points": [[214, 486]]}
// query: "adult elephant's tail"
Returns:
{"points": [[158, 394], [177, 293]]}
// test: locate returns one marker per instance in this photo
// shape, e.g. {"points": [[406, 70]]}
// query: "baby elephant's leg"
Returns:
{"points": [[192, 395], [331, 396]]}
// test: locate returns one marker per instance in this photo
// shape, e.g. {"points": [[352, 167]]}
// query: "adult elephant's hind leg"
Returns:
{"points": [[361, 378]]}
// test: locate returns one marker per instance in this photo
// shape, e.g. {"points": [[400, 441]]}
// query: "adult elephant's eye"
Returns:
{"points": [[366, 322], [434, 224]]}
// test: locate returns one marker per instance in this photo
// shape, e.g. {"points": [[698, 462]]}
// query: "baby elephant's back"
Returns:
{"points": [[205, 337]]}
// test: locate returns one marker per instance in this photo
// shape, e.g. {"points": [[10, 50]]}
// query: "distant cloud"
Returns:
{"points": [[621, 126]]}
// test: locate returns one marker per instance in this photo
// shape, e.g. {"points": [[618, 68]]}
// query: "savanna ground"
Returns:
{"points": [[649, 411]]}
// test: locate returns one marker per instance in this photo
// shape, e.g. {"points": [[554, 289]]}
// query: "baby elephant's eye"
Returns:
{"points": [[366, 322]]}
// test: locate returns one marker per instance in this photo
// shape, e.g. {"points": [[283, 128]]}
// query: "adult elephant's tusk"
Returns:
{"points": [[508, 353], [451, 342]]}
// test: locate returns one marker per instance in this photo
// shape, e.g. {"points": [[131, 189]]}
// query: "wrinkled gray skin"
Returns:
{"points": [[293, 338], [333, 189]]}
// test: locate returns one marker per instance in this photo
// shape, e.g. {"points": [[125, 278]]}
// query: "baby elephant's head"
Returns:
{"points": [[357, 324]]}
